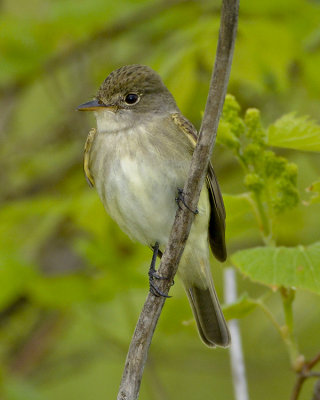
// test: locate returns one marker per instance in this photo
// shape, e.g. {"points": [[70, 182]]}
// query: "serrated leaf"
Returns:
{"points": [[282, 266], [239, 309], [299, 133]]}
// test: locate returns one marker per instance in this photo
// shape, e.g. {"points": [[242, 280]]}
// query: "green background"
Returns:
{"points": [[71, 283]]}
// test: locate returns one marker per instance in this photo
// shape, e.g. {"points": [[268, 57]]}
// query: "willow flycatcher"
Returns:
{"points": [[138, 158]]}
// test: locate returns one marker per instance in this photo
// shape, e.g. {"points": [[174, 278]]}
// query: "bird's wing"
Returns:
{"points": [[217, 224], [218, 214], [86, 156]]}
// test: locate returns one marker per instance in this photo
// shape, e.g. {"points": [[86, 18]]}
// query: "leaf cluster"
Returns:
{"points": [[270, 178]]}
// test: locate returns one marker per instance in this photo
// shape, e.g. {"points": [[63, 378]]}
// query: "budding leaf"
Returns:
{"points": [[272, 179], [254, 128], [231, 126]]}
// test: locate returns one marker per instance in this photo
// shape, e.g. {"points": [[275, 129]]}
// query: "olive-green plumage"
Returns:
{"points": [[137, 158]]}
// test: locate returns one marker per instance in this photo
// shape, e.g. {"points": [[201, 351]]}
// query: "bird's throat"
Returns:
{"points": [[112, 122]]}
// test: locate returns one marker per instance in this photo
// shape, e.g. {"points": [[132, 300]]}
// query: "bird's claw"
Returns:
{"points": [[154, 275], [153, 287], [180, 199]]}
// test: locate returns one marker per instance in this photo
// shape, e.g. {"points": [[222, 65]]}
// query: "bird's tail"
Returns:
{"points": [[198, 283]]}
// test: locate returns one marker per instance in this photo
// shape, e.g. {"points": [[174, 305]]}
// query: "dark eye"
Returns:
{"points": [[131, 98]]}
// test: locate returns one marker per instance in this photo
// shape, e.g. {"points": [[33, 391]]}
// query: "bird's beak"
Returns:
{"points": [[94, 105]]}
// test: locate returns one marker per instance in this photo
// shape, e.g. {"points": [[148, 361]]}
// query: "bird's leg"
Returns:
{"points": [[153, 274], [180, 199]]}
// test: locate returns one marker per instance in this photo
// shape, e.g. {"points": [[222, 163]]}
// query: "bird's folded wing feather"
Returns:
{"points": [[86, 156], [218, 214]]}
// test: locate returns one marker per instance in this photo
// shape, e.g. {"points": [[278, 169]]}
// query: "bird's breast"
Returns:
{"points": [[137, 177]]}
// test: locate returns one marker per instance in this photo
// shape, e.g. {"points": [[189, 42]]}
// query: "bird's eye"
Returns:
{"points": [[131, 98], [100, 101]]}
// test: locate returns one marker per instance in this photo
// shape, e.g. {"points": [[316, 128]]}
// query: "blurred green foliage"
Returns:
{"points": [[72, 284]]}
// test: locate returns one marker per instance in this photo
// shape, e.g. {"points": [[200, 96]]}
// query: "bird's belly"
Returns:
{"points": [[139, 194]]}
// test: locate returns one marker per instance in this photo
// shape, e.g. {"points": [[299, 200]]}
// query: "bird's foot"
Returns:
{"points": [[153, 275], [154, 289], [180, 199]]}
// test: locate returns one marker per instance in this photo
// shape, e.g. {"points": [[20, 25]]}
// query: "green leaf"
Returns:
{"points": [[239, 309], [282, 266], [315, 190], [299, 133]]}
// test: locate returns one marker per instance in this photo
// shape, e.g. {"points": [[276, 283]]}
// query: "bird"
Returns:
{"points": [[138, 158]]}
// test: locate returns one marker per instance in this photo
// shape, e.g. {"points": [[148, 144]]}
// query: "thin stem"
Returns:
{"points": [[297, 387], [263, 219], [288, 296], [264, 222], [286, 332], [312, 363], [271, 317]]}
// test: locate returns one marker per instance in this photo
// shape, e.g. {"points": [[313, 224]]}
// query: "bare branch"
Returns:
{"points": [[316, 391], [304, 374], [312, 363], [138, 350], [297, 387]]}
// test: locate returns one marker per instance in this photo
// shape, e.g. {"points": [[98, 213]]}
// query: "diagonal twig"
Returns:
{"points": [[138, 350], [303, 375]]}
